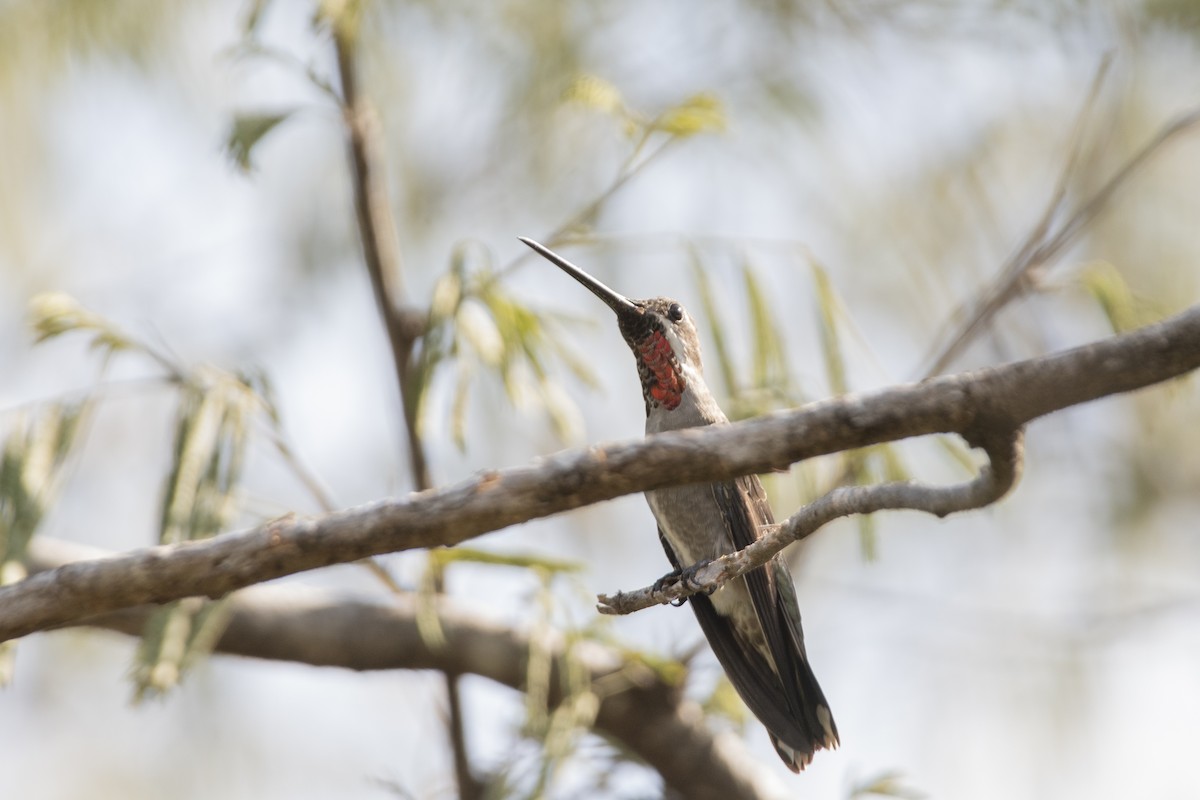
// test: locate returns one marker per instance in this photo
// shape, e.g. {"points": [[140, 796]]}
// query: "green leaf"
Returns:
{"points": [[55, 313], [959, 453], [175, 637], [894, 468], [724, 702], [478, 330], [254, 15], [884, 784], [700, 113], [31, 466], [199, 501], [451, 555], [768, 358], [199, 498], [857, 472], [458, 408], [32, 463], [831, 345], [715, 325], [429, 624], [595, 92], [247, 130], [868, 541], [1116, 299]]}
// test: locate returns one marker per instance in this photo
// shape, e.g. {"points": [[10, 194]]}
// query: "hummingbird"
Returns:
{"points": [[752, 623]]}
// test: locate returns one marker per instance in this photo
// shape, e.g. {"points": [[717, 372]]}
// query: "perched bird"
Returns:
{"points": [[753, 622]]}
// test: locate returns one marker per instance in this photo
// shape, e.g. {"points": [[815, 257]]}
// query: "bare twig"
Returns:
{"points": [[992, 483], [585, 215], [1046, 241], [638, 708], [978, 405], [381, 247]]}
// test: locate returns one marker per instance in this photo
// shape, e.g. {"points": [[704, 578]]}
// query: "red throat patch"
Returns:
{"points": [[655, 353]]}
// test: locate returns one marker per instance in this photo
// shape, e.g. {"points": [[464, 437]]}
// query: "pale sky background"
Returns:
{"points": [[1043, 648]]}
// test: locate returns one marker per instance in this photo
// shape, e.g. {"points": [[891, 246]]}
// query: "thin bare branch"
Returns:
{"points": [[585, 215], [649, 716], [380, 243], [978, 405], [993, 482]]}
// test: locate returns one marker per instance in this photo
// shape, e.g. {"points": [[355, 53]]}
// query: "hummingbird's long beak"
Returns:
{"points": [[617, 302]]}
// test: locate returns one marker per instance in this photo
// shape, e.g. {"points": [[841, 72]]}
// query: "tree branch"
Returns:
{"points": [[381, 252], [380, 244], [637, 707], [977, 405], [993, 482]]}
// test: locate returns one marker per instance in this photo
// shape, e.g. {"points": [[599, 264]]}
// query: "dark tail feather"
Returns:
{"points": [[796, 732], [820, 729]]}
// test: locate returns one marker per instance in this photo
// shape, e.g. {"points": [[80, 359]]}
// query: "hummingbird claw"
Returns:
{"points": [[688, 576], [670, 579]]}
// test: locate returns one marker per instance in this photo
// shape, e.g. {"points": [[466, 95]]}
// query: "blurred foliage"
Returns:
{"points": [[884, 784], [41, 38], [1116, 299], [247, 130], [43, 42], [477, 327], [437, 564], [766, 381], [557, 727], [723, 702], [199, 501], [699, 113], [35, 452], [200, 494], [54, 313], [1175, 14]]}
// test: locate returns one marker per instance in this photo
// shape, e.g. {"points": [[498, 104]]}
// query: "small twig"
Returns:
{"points": [[993, 482], [585, 214]]}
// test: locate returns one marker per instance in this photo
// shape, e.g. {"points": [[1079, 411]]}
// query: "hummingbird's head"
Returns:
{"points": [[659, 331]]}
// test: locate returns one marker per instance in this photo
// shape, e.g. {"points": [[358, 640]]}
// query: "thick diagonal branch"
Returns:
{"points": [[975, 404]]}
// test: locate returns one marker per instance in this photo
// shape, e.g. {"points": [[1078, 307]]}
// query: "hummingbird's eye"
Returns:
{"points": [[675, 312]]}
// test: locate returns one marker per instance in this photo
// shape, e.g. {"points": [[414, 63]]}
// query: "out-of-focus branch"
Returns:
{"points": [[993, 482], [978, 405], [1047, 241], [585, 215], [638, 708], [381, 252], [380, 244]]}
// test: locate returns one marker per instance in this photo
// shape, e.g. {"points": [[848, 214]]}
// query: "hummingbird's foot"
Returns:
{"points": [[687, 576], [670, 579]]}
